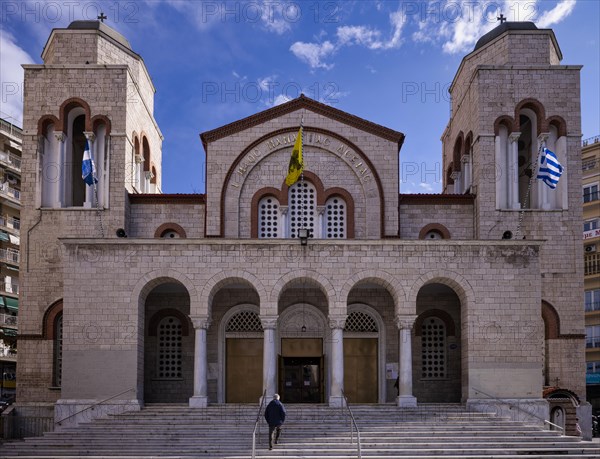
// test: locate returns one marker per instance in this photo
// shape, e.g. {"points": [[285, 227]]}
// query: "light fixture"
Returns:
{"points": [[303, 236]]}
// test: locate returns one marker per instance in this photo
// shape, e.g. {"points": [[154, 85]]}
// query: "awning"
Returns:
{"points": [[11, 267], [4, 236], [8, 331], [11, 303], [1, 301], [592, 378]]}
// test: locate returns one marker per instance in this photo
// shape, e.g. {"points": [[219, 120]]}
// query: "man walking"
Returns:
{"points": [[275, 416]]}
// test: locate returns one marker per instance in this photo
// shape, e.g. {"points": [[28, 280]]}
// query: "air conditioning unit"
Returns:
{"points": [[590, 249]]}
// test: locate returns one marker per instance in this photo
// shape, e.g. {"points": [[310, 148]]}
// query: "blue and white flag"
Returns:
{"points": [[88, 168], [550, 169]]}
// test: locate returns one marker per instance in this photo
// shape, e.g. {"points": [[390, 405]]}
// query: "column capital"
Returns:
{"points": [[60, 136], [543, 137], [337, 321], [89, 136], [200, 322], [269, 322], [405, 321], [514, 136]]}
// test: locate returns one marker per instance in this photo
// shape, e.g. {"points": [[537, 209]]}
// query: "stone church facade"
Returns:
{"points": [[213, 298]]}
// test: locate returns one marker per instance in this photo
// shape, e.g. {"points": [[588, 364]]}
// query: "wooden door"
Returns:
{"points": [[244, 370], [361, 371]]}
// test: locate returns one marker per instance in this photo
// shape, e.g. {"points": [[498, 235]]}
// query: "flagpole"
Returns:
{"points": [[533, 173], [302, 172]]}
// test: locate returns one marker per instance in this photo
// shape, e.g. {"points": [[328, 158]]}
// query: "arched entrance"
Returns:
{"points": [[168, 345]]}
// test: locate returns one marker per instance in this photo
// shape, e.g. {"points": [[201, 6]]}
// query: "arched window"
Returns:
{"points": [[57, 351], [335, 218], [268, 218], [360, 322], [169, 363], [433, 348], [244, 322], [302, 212]]}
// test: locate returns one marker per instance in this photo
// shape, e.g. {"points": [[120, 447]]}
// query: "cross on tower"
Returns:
{"points": [[102, 17], [501, 18]]}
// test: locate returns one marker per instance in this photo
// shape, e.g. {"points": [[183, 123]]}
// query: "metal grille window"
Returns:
{"points": [[268, 218], [169, 348], [335, 218], [433, 345], [361, 322], [58, 342], [302, 208], [244, 321]]}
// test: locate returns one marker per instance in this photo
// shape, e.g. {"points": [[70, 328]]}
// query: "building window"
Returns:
{"points": [[335, 218], [169, 348], [593, 367], [592, 336], [433, 349], [268, 218], [244, 322], [591, 224], [302, 198], [360, 322], [58, 346], [592, 300], [590, 193]]}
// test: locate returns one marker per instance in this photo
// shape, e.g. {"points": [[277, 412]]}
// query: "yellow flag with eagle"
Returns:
{"points": [[296, 162]]}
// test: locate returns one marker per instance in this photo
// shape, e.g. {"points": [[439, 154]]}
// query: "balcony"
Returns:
{"points": [[11, 160], [12, 288], [590, 141], [10, 224], [6, 320], [591, 264], [593, 342], [590, 164], [9, 192], [11, 129], [593, 306], [9, 256]]}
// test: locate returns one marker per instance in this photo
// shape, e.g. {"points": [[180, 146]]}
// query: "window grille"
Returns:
{"points": [[169, 348], [358, 321], [302, 208], [244, 321], [268, 218], [335, 215], [433, 348], [58, 344]]}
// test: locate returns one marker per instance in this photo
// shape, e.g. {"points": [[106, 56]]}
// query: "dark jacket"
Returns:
{"points": [[275, 413]]}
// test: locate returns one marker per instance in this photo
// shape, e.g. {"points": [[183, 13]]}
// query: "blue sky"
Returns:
{"points": [[213, 62]]}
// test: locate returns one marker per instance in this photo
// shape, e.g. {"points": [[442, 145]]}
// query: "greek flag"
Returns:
{"points": [[88, 168], [550, 169]]}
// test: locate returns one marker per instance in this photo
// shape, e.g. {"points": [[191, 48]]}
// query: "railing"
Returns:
{"points": [[591, 196], [592, 342], [10, 159], [593, 306], [10, 192], [589, 164], [8, 320], [353, 425], [590, 140], [93, 406], [10, 255], [14, 426], [9, 287], [11, 223], [257, 423], [11, 129], [511, 406], [591, 264]]}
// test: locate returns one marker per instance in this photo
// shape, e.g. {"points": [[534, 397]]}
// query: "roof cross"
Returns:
{"points": [[501, 18], [102, 17]]}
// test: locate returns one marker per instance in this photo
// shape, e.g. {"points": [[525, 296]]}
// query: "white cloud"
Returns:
{"points": [[426, 186], [359, 35], [11, 77], [281, 99], [556, 14], [314, 53], [267, 83], [278, 16]]}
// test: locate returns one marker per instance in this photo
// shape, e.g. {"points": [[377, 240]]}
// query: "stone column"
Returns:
{"points": [[269, 324], [513, 171], [405, 324], [200, 397], [58, 186], [337, 323], [543, 189], [89, 189]]}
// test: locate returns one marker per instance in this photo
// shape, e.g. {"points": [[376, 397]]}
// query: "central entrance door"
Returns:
{"points": [[301, 370]]}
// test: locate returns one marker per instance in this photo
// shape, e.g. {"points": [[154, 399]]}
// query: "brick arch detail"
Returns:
{"points": [[44, 123], [540, 112], [559, 123], [551, 321], [442, 315], [347, 197], [434, 227], [457, 152], [381, 278], [170, 226], [70, 104], [154, 173], [146, 152], [160, 315], [449, 179], [262, 193], [506, 121], [97, 120], [49, 320], [468, 143]]}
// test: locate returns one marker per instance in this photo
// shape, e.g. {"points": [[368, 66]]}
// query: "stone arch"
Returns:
{"points": [[170, 226], [455, 281], [349, 201], [69, 105], [535, 106], [438, 227], [156, 318], [146, 152], [468, 143], [551, 321], [161, 276], [225, 278], [458, 150], [507, 121], [381, 278], [315, 278], [154, 174], [442, 315], [45, 122], [559, 123], [49, 320], [98, 120]]}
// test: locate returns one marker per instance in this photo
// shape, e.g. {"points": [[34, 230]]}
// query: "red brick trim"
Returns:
{"points": [[507, 121], [136, 144], [540, 112], [433, 199], [441, 229], [442, 315], [170, 227], [146, 153], [307, 174], [449, 179], [101, 119], [45, 122], [49, 320], [559, 123], [551, 321], [160, 315], [69, 105], [347, 197], [468, 143], [458, 151], [262, 193], [167, 198]]}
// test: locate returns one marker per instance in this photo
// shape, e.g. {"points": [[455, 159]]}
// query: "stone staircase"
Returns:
{"points": [[311, 431]]}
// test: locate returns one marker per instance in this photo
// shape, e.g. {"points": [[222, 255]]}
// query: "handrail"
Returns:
{"points": [[256, 423], [353, 425], [518, 408], [92, 406], [554, 425]]}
